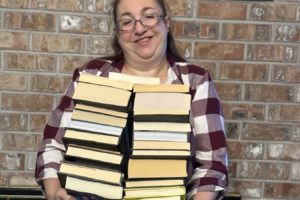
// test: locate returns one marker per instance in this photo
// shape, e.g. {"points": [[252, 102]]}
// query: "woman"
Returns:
{"points": [[144, 46]]}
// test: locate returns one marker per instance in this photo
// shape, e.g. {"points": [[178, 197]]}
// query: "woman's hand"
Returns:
{"points": [[54, 191], [61, 194], [205, 195]]}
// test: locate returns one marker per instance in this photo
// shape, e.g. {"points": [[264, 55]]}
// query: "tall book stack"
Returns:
{"points": [[97, 138], [157, 165]]}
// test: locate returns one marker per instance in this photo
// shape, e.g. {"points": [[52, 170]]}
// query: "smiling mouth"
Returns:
{"points": [[144, 39]]}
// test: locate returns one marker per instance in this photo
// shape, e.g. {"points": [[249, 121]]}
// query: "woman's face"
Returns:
{"points": [[142, 43]]}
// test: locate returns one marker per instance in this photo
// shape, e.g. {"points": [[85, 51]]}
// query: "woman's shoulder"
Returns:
{"points": [[190, 68]]}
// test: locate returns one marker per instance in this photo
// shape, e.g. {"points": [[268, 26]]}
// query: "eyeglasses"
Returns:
{"points": [[147, 20]]}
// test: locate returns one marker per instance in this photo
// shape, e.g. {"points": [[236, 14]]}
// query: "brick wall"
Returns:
{"points": [[251, 49]]}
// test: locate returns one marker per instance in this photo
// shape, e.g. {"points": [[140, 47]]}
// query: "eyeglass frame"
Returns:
{"points": [[159, 19]]}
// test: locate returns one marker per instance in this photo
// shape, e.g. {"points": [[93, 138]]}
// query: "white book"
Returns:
{"points": [[161, 136], [93, 127]]}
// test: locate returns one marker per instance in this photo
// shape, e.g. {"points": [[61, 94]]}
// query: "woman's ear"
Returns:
{"points": [[168, 21]]}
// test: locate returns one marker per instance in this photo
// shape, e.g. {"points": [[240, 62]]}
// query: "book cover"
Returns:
{"points": [[98, 118], [164, 88], [85, 171], [162, 126], [95, 140], [102, 96], [156, 168], [154, 192], [160, 136], [94, 154], [77, 185], [96, 109], [95, 127], [140, 153], [100, 80], [153, 183], [142, 144]]}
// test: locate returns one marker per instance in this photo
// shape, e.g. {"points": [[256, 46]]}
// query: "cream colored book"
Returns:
{"points": [[98, 118], [101, 110], [162, 103], [157, 168], [99, 80], [178, 88], [162, 126], [142, 144]]}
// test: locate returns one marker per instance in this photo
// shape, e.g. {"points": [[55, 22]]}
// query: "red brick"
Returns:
{"points": [[27, 102], [232, 169], [247, 32], [244, 72], [263, 170], [13, 122], [286, 73], [245, 150], [84, 24], [276, 53], [12, 161], [243, 111], [194, 29], [99, 45], [46, 83], [229, 91], [30, 21], [274, 11], [288, 152], [287, 33], [13, 81], [282, 190], [67, 64], [58, 5], [267, 132], [222, 10], [284, 113], [246, 188], [219, 51], [14, 4], [58, 43], [14, 41], [269, 93], [232, 130], [184, 48], [20, 179], [181, 8], [29, 62], [211, 67], [295, 171], [97, 6], [37, 122], [19, 142]]}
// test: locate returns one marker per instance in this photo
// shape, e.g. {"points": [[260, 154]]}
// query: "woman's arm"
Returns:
{"points": [[54, 191], [206, 195]]}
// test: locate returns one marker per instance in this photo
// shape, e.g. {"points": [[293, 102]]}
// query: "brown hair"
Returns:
{"points": [[171, 47]]}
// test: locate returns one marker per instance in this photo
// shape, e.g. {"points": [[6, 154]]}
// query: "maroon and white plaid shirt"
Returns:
{"points": [[208, 164]]}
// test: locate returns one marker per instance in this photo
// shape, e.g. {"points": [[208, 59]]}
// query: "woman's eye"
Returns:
{"points": [[150, 16], [126, 22]]}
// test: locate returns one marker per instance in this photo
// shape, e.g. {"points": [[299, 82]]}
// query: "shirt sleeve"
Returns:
{"points": [[52, 149], [209, 153]]}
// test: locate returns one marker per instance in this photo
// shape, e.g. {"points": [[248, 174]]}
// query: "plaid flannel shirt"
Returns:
{"points": [[207, 166]]}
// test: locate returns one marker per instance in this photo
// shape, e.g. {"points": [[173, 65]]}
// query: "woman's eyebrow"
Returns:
{"points": [[130, 14]]}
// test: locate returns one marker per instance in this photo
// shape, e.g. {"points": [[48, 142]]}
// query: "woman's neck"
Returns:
{"points": [[159, 69]]}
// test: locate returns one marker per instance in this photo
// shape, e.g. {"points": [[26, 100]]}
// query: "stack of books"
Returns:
{"points": [[157, 166], [97, 138]]}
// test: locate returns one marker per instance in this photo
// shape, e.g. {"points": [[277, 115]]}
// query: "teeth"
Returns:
{"points": [[143, 40]]}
